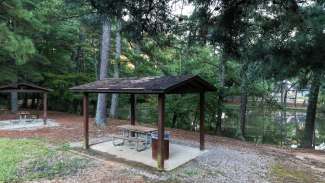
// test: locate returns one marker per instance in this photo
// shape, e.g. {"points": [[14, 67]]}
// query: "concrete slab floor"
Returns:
{"points": [[21, 125], [178, 155]]}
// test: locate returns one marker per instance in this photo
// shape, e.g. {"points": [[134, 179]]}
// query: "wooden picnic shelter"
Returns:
{"points": [[28, 88], [160, 86]]}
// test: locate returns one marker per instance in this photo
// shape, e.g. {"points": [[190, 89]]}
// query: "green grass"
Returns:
{"points": [[30, 159], [286, 174], [191, 173]]}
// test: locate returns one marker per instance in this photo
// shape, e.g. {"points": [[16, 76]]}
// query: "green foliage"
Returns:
{"points": [[47, 51], [55, 43], [15, 46]]}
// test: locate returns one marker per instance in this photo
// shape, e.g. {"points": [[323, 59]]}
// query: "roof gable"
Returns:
{"points": [[162, 84], [23, 87]]}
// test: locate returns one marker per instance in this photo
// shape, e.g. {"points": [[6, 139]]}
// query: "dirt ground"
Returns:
{"points": [[70, 130]]}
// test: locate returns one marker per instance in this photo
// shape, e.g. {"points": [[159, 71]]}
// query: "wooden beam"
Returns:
{"points": [[22, 91], [45, 108], [86, 120], [132, 117], [161, 131], [202, 103]]}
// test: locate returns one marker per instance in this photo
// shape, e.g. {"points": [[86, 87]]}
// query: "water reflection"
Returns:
{"points": [[264, 126], [276, 127]]}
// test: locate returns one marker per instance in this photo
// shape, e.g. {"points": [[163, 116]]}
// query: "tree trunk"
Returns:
{"points": [[114, 102], [296, 93], [243, 101], [33, 105], [96, 65], [14, 102], [219, 113], [101, 114], [284, 113], [25, 101], [137, 50], [281, 91], [79, 57], [307, 141], [243, 111], [174, 119], [220, 94]]}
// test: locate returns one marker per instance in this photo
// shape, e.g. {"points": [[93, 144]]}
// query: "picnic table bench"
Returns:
{"points": [[140, 135]]}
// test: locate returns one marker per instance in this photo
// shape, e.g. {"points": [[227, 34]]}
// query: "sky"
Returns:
{"points": [[181, 8]]}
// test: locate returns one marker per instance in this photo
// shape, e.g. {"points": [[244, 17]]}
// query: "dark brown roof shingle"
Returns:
{"points": [[23, 87], [160, 84]]}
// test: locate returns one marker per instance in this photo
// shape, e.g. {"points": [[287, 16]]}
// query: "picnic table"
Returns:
{"points": [[141, 135], [27, 116], [3, 110], [23, 114]]}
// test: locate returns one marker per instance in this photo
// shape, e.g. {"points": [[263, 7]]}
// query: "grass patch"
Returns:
{"points": [[30, 159], [287, 174], [191, 173]]}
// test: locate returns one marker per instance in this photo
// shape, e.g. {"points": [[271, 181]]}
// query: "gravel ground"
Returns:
{"points": [[219, 164], [226, 165]]}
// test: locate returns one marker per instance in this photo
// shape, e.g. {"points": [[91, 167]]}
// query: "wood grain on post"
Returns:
{"points": [[202, 103], [161, 131], [45, 108], [132, 117], [86, 120]]}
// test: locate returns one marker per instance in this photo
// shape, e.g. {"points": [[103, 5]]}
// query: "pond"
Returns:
{"points": [[275, 127], [264, 126]]}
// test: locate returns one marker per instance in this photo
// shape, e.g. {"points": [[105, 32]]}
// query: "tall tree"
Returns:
{"points": [[224, 25], [243, 101], [109, 9], [116, 74], [101, 114], [297, 37], [314, 58], [309, 133]]}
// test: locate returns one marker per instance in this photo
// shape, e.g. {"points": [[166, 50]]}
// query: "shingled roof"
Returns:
{"points": [[23, 87], [150, 85]]}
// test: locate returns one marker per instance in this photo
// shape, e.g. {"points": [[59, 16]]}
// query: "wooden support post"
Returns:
{"points": [[132, 117], [86, 120], [202, 121], [161, 131], [45, 108], [132, 111]]}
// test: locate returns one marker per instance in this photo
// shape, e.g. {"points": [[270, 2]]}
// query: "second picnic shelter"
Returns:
{"points": [[24, 87]]}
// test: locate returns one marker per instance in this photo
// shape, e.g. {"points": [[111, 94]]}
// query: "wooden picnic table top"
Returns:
{"points": [[137, 128], [23, 113]]}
